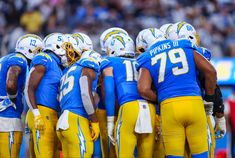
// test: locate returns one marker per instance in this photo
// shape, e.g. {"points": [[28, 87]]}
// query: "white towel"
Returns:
{"points": [[63, 122], [143, 123]]}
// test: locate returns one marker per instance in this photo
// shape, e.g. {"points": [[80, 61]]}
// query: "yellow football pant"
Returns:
{"points": [[10, 144], [45, 143], [126, 138], [184, 118], [76, 140], [211, 141], [107, 152]]}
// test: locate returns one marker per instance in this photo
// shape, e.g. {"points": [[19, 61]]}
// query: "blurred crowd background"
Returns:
{"points": [[214, 19]]}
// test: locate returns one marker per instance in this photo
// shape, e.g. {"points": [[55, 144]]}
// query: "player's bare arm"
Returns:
{"points": [[208, 72], [12, 79], [87, 76], [36, 74], [145, 85]]}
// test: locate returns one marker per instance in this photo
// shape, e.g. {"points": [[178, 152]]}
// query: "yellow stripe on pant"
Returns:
{"points": [[126, 138], [45, 143], [184, 118], [76, 140], [10, 144]]}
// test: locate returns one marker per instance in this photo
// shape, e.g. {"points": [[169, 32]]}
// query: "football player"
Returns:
{"points": [[42, 91], [107, 147], [171, 67], [78, 106], [84, 40], [165, 29], [187, 31], [144, 40], [13, 71], [135, 123]]}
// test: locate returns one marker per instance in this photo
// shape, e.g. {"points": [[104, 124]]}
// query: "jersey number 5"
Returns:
{"points": [[175, 56]]}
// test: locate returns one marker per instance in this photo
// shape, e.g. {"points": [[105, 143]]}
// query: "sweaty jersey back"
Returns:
{"points": [[125, 77], [172, 67]]}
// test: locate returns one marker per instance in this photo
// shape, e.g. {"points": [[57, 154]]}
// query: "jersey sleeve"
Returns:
{"points": [[105, 63], [18, 60], [89, 63], [204, 52], [41, 59], [143, 61]]}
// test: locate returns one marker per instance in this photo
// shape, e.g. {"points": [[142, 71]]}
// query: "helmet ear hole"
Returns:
{"points": [[112, 52], [190, 37], [30, 51], [57, 46]]}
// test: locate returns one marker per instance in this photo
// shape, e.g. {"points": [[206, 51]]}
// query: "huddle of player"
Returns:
{"points": [[160, 100]]}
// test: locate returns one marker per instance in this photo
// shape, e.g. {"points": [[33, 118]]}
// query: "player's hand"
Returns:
{"points": [[220, 127], [157, 127], [208, 107], [110, 127], [39, 123], [95, 130]]}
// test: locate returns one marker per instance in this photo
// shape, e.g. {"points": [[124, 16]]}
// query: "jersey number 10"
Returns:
{"points": [[175, 56], [131, 73]]}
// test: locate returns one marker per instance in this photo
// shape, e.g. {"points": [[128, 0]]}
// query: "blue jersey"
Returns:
{"points": [[6, 62], [70, 94], [48, 88], [204, 52], [172, 68], [125, 78]]}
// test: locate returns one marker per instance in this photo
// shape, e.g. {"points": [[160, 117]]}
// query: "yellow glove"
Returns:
{"points": [[95, 130], [39, 123], [38, 120]]}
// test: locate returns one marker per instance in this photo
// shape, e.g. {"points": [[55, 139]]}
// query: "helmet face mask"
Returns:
{"points": [[29, 45]]}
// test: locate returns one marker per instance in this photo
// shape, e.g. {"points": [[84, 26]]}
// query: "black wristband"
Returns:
{"points": [[209, 98]]}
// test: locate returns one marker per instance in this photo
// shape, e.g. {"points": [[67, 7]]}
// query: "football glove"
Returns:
{"points": [[95, 130], [38, 120], [39, 123], [208, 107], [220, 127], [110, 127]]}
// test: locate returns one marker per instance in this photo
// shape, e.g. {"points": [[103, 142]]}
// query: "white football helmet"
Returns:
{"points": [[107, 35], [56, 42], [166, 28], [86, 43], [183, 30], [92, 55], [121, 45], [147, 37], [29, 45], [73, 49]]}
